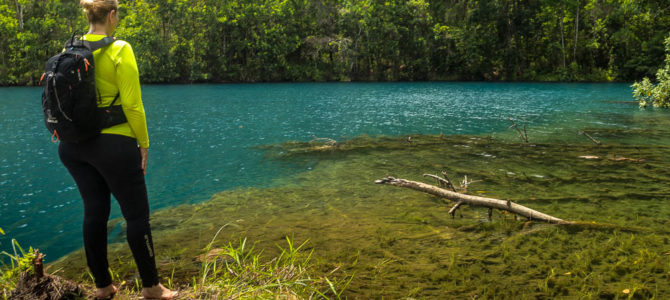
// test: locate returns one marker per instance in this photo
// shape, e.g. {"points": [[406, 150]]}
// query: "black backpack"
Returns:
{"points": [[69, 98]]}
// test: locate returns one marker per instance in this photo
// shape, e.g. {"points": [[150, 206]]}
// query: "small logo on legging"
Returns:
{"points": [[146, 239]]}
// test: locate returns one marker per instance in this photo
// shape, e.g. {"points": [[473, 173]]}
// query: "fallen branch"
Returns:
{"points": [[444, 182], [621, 158], [466, 183], [452, 211], [613, 158], [444, 174], [590, 137], [522, 135], [505, 205]]}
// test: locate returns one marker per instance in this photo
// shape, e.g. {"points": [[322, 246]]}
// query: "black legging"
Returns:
{"points": [[108, 164]]}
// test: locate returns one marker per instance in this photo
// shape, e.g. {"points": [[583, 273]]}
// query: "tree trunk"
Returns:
{"points": [[574, 52], [560, 22], [509, 42], [473, 200], [38, 265], [19, 14]]}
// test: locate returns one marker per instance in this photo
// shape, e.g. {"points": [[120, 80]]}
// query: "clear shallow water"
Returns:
{"points": [[203, 136]]}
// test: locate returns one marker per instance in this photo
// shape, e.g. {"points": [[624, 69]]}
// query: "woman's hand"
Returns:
{"points": [[144, 152]]}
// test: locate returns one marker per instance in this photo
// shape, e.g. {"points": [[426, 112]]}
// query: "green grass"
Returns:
{"points": [[19, 261], [236, 270], [231, 271]]}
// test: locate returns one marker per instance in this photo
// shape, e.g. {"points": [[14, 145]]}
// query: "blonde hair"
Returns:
{"points": [[97, 10]]}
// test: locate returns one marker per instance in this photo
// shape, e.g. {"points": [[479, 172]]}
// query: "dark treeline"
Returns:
{"points": [[342, 40]]}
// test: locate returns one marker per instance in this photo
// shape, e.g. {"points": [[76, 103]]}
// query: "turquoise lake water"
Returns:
{"points": [[203, 137]]}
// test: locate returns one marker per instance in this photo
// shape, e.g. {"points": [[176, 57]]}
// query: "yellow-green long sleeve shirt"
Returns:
{"points": [[116, 72]]}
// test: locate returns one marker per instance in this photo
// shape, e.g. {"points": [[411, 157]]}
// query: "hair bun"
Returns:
{"points": [[97, 10], [87, 4]]}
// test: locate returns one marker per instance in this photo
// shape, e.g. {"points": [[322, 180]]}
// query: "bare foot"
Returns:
{"points": [[158, 292], [105, 292]]}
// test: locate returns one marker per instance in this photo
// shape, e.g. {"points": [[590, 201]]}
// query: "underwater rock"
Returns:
{"points": [[589, 156], [211, 255], [621, 158]]}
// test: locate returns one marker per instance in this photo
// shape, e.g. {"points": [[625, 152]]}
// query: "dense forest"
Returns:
{"points": [[346, 40]]}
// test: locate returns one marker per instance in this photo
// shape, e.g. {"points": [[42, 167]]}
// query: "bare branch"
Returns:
{"points": [[444, 174], [442, 182], [590, 137], [522, 135], [453, 209]]}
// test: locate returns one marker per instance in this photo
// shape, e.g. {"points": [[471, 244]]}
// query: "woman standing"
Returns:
{"points": [[111, 163]]}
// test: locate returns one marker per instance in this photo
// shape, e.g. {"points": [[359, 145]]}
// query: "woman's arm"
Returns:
{"points": [[128, 82]]}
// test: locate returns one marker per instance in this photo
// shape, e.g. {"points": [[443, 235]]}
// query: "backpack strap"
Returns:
{"points": [[115, 98], [99, 44], [76, 41], [113, 101]]}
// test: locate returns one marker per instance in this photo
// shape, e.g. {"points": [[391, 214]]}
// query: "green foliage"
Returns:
{"points": [[21, 261], [302, 40], [237, 270], [32, 31], [658, 95]]}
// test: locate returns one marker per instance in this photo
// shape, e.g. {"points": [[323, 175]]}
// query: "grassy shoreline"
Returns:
{"points": [[235, 270]]}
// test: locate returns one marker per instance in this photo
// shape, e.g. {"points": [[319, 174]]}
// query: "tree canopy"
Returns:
{"points": [[364, 40]]}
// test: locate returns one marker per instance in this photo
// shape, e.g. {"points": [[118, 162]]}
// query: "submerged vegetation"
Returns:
{"points": [[342, 40], [370, 241]]}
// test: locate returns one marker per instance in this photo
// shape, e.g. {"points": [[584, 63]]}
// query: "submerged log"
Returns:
{"points": [[453, 209], [597, 142], [522, 135], [505, 205]]}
